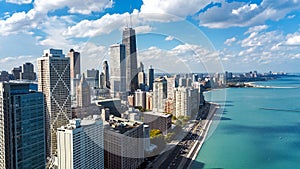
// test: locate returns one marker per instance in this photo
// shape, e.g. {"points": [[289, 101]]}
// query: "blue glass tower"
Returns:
{"points": [[22, 127]]}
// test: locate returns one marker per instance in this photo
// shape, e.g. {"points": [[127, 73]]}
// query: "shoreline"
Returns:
{"points": [[204, 131]]}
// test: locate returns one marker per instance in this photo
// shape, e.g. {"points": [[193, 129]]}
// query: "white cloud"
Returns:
{"points": [[7, 63], [20, 22], [184, 58], [244, 9], [92, 55], [293, 39], [169, 38], [256, 29], [143, 29], [75, 6], [241, 14], [291, 16], [166, 10], [262, 47], [19, 1], [104, 25], [229, 41]]}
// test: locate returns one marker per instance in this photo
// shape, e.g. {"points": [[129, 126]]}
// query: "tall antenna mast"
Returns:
{"points": [[130, 17]]}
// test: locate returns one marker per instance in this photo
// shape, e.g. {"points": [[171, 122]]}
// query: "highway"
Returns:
{"points": [[180, 155]]}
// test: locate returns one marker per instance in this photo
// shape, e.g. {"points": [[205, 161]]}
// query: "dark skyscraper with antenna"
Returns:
{"points": [[129, 40]]}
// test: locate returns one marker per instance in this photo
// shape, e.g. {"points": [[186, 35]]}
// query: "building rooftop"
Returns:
{"points": [[77, 123], [121, 125], [157, 114]]}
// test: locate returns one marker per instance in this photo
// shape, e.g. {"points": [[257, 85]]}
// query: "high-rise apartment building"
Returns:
{"points": [[140, 98], [129, 40], [159, 94], [118, 70], [150, 78], [170, 87], [22, 129], [80, 144], [83, 93], [54, 82], [74, 63], [28, 72], [186, 101]]}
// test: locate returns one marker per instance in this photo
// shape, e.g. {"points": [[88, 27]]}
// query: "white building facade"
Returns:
{"points": [[80, 144]]}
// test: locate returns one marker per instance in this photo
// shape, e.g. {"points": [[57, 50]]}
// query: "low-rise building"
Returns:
{"points": [[156, 120], [123, 143]]}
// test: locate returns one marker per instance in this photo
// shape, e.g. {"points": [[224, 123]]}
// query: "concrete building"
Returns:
{"points": [[16, 71], [80, 144], [4, 76], [170, 105], [150, 78], [186, 101], [28, 72], [129, 40], [114, 105], [22, 128], [105, 71], [54, 83], [160, 121], [140, 99], [141, 77], [102, 83], [131, 100], [149, 100], [159, 94], [74, 63], [171, 84], [118, 71], [92, 77], [83, 93], [123, 143], [82, 112], [182, 82]]}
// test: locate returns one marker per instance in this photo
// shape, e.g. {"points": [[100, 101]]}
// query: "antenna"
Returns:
{"points": [[130, 17], [130, 22]]}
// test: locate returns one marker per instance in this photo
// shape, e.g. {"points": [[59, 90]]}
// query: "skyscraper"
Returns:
{"points": [[80, 144], [141, 77], [150, 78], [74, 63], [140, 98], [54, 82], [159, 94], [83, 93], [92, 77], [105, 70], [22, 129], [117, 70], [28, 72], [129, 40]]}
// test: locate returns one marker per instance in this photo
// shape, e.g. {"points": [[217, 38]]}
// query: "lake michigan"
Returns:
{"points": [[258, 129]]}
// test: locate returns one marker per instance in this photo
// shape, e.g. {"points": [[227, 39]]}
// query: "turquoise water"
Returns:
{"points": [[260, 128]]}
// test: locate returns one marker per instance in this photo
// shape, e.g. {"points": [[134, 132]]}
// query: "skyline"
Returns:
{"points": [[240, 35]]}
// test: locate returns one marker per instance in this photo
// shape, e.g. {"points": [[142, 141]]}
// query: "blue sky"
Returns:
{"points": [[172, 35]]}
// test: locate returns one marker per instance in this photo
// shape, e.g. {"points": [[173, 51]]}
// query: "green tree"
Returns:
{"points": [[154, 133]]}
